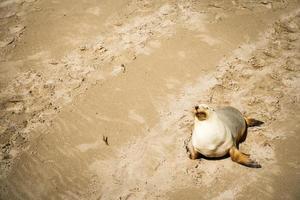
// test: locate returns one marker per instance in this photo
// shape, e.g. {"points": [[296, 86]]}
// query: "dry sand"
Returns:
{"points": [[73, 73]]}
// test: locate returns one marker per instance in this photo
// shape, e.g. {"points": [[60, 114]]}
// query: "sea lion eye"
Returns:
{"points": [[196, 107]]}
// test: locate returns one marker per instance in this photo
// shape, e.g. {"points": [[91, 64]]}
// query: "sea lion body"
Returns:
{"points": [[218, 132], [215, 136]]}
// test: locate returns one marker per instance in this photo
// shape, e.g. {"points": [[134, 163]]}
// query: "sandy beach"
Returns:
{"points": [[96, 97]]}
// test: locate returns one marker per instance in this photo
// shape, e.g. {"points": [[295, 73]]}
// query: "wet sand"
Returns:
{"points": [[75, 73]]}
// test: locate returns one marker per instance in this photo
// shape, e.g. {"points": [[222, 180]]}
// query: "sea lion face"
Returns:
{"points": [[202, 112]]}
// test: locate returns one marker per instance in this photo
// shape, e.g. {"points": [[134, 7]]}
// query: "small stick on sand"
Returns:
{"points": [[105, 140]]}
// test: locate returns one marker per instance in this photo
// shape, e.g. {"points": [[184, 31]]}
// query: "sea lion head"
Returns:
{"points": [[203, 112]]}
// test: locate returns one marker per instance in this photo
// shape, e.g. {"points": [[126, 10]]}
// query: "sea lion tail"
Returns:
{"points": [[253, 122]]}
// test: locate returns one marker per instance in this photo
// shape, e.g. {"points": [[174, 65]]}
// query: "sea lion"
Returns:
{"points": [[219, 132]]}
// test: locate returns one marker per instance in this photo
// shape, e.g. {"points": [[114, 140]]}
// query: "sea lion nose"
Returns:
{"points": [[196, 107]]}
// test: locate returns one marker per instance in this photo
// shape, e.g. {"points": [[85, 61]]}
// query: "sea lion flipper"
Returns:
{"points": [[246, 154], [193, 154], [253, 122], [242, 158]]}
